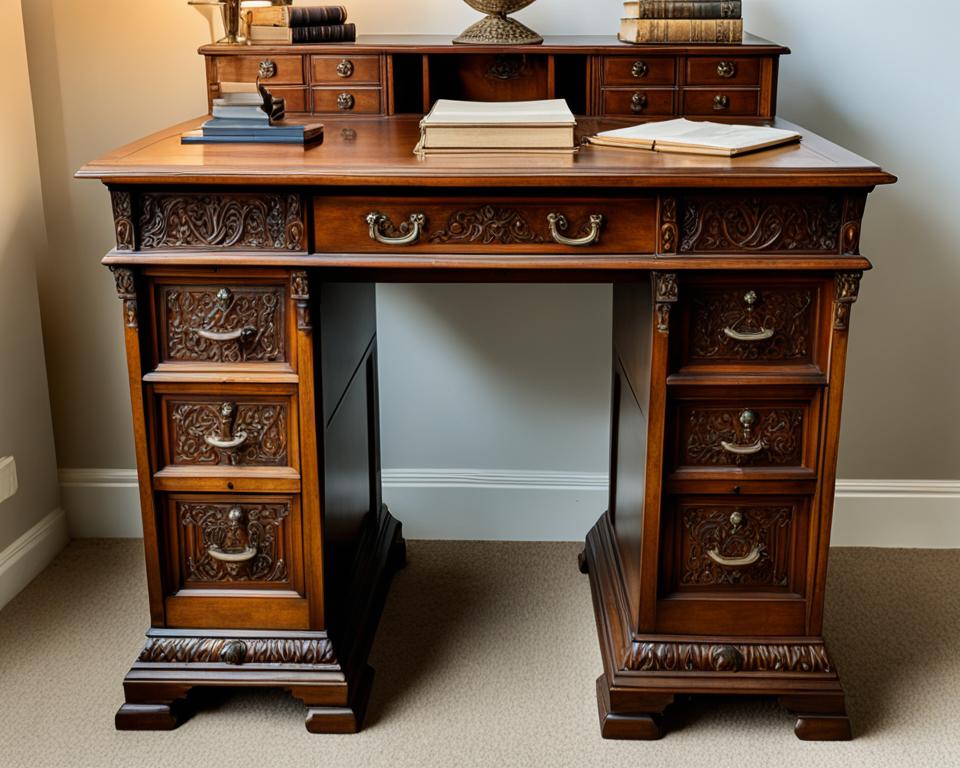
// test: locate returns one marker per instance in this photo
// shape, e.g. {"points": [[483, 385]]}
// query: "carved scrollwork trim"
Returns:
{"points": [[853, 208], [845, 294], [487, 224], [300, 293], [668, 225], [122, 203], [127, 291], [665, 292], [222, 650], [722, 657]]}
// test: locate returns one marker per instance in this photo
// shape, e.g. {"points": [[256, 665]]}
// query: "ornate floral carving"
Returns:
{"points": [[300, 293], [123, 219], [735, 532], [852, 216], [846, 290], [668, 225], [264, 220], [127, 291], [212, 650], [788, 312], [779, 430], [233, 527], [776, 222], [263, 424], [225, 325], [665, 292], [488, 224], [722, 657]]}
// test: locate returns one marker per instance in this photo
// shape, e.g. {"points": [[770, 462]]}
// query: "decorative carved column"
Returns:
{"points": [[300, 293], [665, 293], [846, 292], [127, 291]]}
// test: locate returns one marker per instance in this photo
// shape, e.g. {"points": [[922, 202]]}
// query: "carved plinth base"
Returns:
{"points": [[332, 679], [643, 675]]}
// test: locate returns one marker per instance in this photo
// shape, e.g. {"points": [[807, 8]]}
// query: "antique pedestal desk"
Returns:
{"points": [[247, 280]]}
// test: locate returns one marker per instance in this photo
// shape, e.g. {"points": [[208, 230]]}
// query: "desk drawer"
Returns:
{"points": [[639, 70], [359, 101], [745, 432], [474, 225], [720, 102], [333, 70], [638, 101], [725, 70], [272, 70], [214, 321]]}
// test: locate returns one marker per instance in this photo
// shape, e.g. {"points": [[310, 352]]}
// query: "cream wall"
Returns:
{"points": [[103, 79], [26, 430]]}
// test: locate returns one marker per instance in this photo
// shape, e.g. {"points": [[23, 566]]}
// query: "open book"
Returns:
{"points": [[701, 138]]}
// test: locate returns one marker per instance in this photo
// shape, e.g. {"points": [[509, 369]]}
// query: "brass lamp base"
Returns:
{"points": [[498, 29]]}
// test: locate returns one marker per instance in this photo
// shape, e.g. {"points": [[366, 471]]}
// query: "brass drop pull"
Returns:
{"points": [[638, 102], [410, 230], [225, 438], [229, 554], [345, 101], [267, 69], [639, 69], [726, 69], [721, 102], [747, 419], [557, 222], [737, 332], [224, 298], [735, 562], [345, 68]]}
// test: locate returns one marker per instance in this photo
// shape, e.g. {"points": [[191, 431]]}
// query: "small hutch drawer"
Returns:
{"points": [[222, 322], [723, 70], [330, 70], [638, 101], [272, 70], [360, 101], [643, 70], [720, 102]]}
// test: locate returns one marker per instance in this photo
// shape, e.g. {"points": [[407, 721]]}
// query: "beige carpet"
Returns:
{"points": [[486, 656]]}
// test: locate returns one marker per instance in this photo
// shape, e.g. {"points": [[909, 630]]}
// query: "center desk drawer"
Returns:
{"points": [[476, 225]]}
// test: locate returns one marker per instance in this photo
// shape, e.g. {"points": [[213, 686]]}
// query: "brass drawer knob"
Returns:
{"points": [[267, 69], [224, 299], [753, 332], [409, 230], [638, 102], [726, 69], [345, 101], [557, 222], [639, 69], [721, 102], [345, 68]]}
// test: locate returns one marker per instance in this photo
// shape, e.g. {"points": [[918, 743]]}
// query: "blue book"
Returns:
{"points": [[314, 135], [217, 127]]}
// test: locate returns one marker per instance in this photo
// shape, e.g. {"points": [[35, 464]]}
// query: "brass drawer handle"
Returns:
{"points": [[639, 69], [735, 562], [345, 68], [226, 439], [747, 419], [232, 556], [233, 442], [345, 101], [721, 102], [726, 69], [267, 69], [763, 333], [410, 230], [638, 102], [244, 334], [558, 222]]}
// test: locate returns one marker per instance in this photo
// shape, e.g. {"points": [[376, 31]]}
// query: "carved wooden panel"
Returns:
{"points": [[234, 542], [489, 225], [122, 203], [238, 220], [807, 222], [213, 650], [223, 324], [229, 432], [752, 323], [741, 435], [730, 544], [720, 657]]}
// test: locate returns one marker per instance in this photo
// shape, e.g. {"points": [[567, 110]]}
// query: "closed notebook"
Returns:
{"points": [[702, 138]]}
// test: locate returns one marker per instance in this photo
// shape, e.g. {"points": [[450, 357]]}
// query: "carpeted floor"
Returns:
{"points": [[486, 656]]}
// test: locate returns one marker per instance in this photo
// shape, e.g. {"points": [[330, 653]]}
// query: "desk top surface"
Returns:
{"points": [[379, 152]]}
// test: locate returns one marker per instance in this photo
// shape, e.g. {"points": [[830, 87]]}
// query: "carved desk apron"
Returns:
{"points": [[247, 278]]}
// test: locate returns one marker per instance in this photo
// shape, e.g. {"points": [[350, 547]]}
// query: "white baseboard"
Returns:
{"points": [[31, 553], [535, 505]]}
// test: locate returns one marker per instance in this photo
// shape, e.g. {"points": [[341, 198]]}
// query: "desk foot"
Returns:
{"points": [[321, 718], [638, 726], [819, 718], [150, 717], [582, 564]]}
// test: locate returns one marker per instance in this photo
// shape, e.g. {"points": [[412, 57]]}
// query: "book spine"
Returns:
{"points": [[314, 16], [685, 9], [330, 33], [681, 30]]}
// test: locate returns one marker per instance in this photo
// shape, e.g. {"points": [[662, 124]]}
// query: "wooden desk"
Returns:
{"points": [[247, 277]]}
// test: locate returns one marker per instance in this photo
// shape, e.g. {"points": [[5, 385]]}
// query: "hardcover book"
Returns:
{"points": [[681, 30], [693, 137], [682, 9], [297, 15], [326, 33]]}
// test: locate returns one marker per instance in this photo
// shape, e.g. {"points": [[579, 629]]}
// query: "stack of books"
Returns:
{"points": [[289, 25], [497, 127], [681, 21], [251, 117], [697, 138]]}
